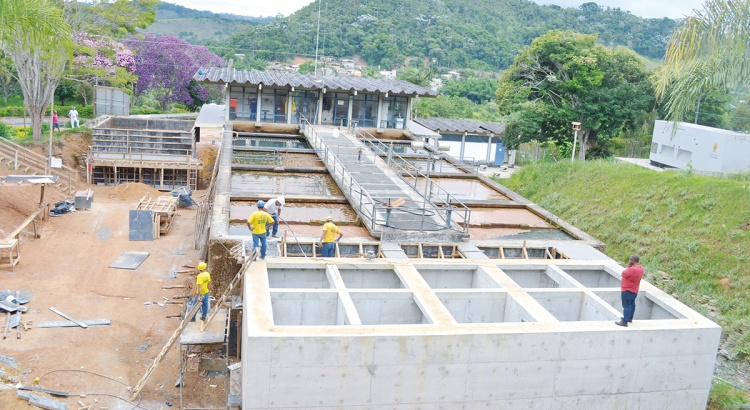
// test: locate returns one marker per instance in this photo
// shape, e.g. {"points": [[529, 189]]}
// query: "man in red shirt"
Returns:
{"points": [[631, 279]]}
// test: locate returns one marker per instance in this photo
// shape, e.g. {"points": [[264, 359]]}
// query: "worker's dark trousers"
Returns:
{"points": [[628, 306]]}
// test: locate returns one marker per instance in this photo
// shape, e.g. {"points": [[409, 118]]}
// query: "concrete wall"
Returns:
{"points": [[703, 148], [614, 370]]}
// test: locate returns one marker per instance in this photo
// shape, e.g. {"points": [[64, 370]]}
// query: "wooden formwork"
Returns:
{"points": [[163, 209]]}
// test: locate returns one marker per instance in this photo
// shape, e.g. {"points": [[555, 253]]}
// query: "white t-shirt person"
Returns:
{"points": [[74, 118]]}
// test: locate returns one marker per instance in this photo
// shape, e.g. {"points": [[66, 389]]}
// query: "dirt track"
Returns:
{"points": [[67, 268]]}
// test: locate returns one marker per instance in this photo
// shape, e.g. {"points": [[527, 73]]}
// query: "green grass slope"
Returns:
{"points": [[692, 232]]}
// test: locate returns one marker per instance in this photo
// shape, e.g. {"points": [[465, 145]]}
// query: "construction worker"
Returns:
{"points": [[201, 289], [257, 223], [273, 207], [328, 237]]}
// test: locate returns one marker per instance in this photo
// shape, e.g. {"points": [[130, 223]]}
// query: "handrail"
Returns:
{"points": [[364, 203], [405, 167], [33, 155]]}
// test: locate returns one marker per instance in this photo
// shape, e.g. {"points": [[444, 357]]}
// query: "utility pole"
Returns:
{"points": [[576, 128], [317, 38]]}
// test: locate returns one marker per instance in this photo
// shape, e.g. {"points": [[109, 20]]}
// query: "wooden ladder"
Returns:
{"points": [[238, 251]]}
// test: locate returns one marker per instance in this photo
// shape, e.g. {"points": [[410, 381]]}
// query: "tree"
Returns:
{"points": [[739, 117], [101, 61], [308, 67], [479, 90], [165, 66], [566, 76], [37, 39], [707, 52], [109, 18]]}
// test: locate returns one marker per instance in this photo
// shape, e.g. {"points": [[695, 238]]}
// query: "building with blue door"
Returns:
{"points": [[291, 98], [471, 141]]}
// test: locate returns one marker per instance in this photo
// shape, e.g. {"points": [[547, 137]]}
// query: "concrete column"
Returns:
{"points": [[409, 101], [463, 145], [320, 107], [349, 111], [380, 110], [289, 107], [489, 147], [226, 103], [257, 103]]}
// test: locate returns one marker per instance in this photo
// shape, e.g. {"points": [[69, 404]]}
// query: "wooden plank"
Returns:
{"points": [[81, 324], [28, 220], [68, 323], [185, 321]]}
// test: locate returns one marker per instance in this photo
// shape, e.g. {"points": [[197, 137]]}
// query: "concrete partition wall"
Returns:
{"points": [[406, 334]]}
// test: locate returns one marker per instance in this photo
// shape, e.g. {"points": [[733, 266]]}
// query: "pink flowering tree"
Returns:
{"points": [[165, 67], [99, 60]]}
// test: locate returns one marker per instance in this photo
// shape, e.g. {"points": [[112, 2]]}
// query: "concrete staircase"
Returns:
{"points": [[28, 162]]}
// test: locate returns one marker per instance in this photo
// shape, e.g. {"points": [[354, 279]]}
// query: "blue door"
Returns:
{"points": [[499, 153]]}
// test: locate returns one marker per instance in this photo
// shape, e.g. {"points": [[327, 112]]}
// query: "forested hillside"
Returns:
{"points": [[197, 26], [478, 34]]}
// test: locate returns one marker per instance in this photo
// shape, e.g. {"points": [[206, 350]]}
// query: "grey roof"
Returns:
{"points": [[461, 126], [220, 75]]}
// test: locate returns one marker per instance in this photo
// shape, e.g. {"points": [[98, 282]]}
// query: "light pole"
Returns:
{"points": [[576, 128]]}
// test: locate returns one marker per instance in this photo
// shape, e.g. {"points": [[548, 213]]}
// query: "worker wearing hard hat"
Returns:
{"points": [[201, 289], [273, 206], [328, 237], [257, 223]]}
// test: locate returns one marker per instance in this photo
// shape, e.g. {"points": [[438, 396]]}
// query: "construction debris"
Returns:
{"points": [[41, 402], [68, 323], [43, 390], [79, 323]]}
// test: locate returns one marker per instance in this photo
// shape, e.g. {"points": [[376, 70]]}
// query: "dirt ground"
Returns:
{"points": [[67, 268]]}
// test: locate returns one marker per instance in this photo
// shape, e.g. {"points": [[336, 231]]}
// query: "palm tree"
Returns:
{"points": [[37, 38], [709, 51]]}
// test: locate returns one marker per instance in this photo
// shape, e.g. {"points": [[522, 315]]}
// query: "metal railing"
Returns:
{"points": [[357, 195], [411, 174], [21, 158]]}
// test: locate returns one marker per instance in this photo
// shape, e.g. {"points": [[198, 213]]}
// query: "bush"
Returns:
{"points": [[4, 130]]}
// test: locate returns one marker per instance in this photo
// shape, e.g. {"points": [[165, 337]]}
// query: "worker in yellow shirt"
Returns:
{"points": [[328, 237], [258, 224], [201, 289]]}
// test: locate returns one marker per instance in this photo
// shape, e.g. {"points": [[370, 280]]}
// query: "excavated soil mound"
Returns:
{"points": [[132, 192]]}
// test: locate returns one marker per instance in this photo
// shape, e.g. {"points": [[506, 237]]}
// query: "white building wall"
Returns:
{"points": [[703, 148], [477, 151]]}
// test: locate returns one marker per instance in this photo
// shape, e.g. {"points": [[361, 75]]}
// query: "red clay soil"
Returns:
{"points": [[67, 268]]}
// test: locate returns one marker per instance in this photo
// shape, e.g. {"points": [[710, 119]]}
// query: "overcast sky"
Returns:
{"points": [[643, 8]]}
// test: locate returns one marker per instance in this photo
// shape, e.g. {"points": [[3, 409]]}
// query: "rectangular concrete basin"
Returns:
{"points": [[573, 306], [536, 277], [298, 278], [306, 309], [388, 308], [452, 278], [484, 307], [286, 183], [593, 277], [371, 278], [646, 306]]}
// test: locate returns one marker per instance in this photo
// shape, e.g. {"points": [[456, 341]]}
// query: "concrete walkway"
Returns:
{"points": [[382, 184]]}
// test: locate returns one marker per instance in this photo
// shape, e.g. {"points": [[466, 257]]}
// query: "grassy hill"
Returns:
{"points": [[692, 233]]}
